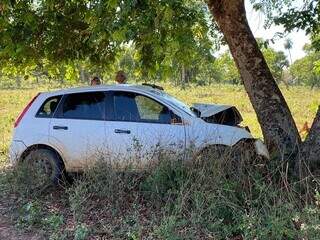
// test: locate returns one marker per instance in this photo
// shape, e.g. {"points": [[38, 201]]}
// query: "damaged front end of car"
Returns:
{"points": [[230, 116]]}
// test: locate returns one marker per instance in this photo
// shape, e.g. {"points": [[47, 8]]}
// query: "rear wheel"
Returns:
{"points": [[46, 164]]}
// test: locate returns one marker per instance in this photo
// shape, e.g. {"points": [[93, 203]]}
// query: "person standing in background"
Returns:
{"points": [[121, 77], [95, 81]]}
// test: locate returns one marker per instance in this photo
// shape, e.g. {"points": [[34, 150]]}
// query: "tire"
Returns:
{"points": [[233, 160], [214, 152], [235, 164], [244, 152], [47, 163]]}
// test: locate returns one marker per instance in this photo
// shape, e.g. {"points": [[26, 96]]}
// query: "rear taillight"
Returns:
{"points": [[16, 123]]}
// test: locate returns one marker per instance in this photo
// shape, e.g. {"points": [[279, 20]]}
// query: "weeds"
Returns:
{"points": [[30, 215], [213, 198], [81, 232]]}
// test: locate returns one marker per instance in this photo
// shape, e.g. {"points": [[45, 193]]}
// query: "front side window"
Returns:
{"points": [[90, 106], [134, 107], [174, 101], [48, 107]]}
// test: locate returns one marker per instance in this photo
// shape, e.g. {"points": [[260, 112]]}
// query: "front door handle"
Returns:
{"points": [[122, 131], [60, 127]]}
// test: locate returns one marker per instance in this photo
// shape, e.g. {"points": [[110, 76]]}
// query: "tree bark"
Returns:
{"points": [[183, 77], [278, 127], [311, 146]]}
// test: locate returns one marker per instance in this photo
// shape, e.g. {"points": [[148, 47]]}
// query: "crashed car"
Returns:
{"points": [[69, 130]]}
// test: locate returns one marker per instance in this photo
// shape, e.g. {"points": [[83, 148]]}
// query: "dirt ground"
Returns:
{"points": [[9, 232]]}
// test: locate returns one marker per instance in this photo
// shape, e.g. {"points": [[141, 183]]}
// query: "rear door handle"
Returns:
{"points": [[60, 127], [122, 131]]}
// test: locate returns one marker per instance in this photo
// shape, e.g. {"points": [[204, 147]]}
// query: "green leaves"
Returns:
{"points": [[119, 35], [306, 18], [96, 31], [112, 3], [306, 70], [277, 61]]}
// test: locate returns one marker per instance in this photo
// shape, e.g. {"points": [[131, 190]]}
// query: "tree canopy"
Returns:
{"points": [[165, 35], [161, 32]]}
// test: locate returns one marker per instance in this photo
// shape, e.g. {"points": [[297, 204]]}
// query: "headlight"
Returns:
{"points": [[261, 149]]}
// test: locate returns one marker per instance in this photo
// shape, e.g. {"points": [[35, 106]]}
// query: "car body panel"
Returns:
{"points": [[201, 134], [31, 130], [17, 147], [139, 143], [80, 144]]}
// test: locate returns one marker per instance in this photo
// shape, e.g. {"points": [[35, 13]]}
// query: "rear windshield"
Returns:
{"points": [[48, 107]]}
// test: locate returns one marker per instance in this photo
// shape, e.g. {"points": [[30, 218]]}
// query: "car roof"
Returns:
{"points": [[124, 87]]}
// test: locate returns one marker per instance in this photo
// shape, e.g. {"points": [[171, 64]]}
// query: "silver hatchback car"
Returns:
{"points": [[67, 128]]}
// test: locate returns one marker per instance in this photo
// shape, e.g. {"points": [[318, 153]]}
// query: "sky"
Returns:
{"points": [[256, 22]]}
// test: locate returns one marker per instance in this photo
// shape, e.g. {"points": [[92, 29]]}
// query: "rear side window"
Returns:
{"points": [[90, 106], [48, 107]]}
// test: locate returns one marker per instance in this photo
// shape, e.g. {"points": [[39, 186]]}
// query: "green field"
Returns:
{"points": [[302, 101], [171, 200]]}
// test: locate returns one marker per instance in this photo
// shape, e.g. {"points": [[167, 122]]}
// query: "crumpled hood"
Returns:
{"points": [[216, 113]]}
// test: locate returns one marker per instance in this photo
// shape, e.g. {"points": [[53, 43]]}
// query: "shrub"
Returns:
{"points": [[215, 197], [30, 214]]}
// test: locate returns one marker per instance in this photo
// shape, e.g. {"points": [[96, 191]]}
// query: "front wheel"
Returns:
{"points": [[45, 164], [229, 159], [214, 152]]}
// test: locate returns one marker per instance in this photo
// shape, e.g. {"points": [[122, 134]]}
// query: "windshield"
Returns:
{"points": [[175, 102]]}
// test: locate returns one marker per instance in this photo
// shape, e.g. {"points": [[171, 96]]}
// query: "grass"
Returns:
{"points": [[170, 200], [302, 101]]}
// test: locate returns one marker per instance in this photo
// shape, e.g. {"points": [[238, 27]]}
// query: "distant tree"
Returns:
{"points": [[305, 70], [227, 69], [277, 62], [315, 40], [288, 46]]}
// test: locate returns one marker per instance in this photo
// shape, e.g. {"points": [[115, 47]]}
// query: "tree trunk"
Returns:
{"points": [[183, 77], [290, 56], [278, 127], [18, 81], [311, 146], [83, 78]]}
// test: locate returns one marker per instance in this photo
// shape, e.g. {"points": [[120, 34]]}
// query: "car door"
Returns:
{"points": [[78, 128], [141, 128]]}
